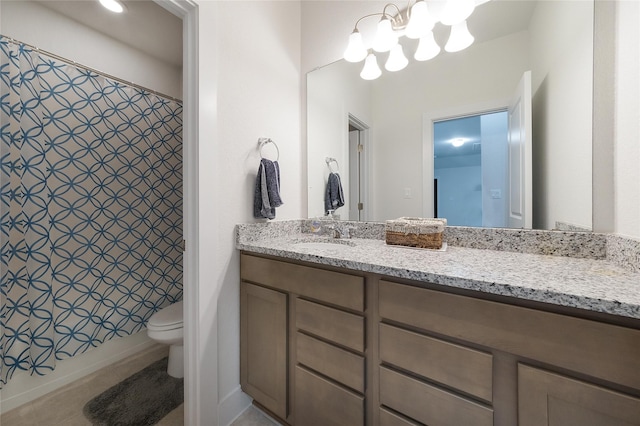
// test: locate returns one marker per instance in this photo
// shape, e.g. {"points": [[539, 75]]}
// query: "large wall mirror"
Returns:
{"points": [[384, 138]]}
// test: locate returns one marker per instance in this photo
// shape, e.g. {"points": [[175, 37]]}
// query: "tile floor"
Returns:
{"points": [[64, 406], [254, 417]]}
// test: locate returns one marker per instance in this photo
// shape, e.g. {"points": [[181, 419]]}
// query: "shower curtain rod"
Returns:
{"points": [[104, 74]]}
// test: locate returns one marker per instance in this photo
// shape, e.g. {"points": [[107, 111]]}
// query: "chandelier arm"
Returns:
{"points": [[408, 8], [366, 16], [393, 18]]}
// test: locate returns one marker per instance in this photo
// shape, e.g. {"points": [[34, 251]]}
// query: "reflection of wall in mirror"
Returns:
{"points": [[559, 54], [627, 130], [332, 95], [480, 75], [561, 40], [483, 74]]}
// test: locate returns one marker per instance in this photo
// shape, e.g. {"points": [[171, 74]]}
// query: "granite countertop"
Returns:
{"points": [[584, 283]]}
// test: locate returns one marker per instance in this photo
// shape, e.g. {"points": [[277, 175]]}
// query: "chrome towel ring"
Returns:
{"points": [[330, 160], [265, 141]]}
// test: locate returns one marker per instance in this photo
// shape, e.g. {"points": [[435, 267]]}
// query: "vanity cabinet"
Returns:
{"points": [[263, 333], [329, 375], [460, 358], [547, 398], [317, 360], [325, 346]]}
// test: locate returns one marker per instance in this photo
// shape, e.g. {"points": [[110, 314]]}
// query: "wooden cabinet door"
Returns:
{"points": [[549, 399], [263, 346]]}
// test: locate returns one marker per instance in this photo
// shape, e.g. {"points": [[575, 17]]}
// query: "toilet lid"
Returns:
{"points": [[167, 317]]}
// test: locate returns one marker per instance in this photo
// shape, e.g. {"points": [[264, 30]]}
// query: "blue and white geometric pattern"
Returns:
{"points": [[91, 210]]}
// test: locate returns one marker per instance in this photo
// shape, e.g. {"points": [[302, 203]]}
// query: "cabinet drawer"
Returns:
{"points": [[546, 398], [428, 404], [327, 286], [606, 351], [323, 403], [387, 418], [337, 326], [335, 363], [461, 368]]}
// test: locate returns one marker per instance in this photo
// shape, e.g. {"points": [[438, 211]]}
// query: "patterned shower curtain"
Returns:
{"points": [[91, 210]]}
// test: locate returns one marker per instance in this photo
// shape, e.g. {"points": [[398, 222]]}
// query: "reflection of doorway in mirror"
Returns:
{"points": [[357, 199], [471, 169]]}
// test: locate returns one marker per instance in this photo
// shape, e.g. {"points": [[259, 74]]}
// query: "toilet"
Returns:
{"points": [[165, 326]]}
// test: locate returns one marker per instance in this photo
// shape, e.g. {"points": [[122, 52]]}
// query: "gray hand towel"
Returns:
{"points": [[267, 190], [334, 197]]}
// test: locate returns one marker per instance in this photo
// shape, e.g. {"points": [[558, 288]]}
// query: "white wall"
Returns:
{"points": [[562, 72], [326, 28], [627, 124], [332, 94], [34, 24], [460, 195], [249, 88]]}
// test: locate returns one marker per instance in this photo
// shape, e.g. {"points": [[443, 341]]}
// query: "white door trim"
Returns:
{"points": [[519, 141], [365, 161], [188, 11]]}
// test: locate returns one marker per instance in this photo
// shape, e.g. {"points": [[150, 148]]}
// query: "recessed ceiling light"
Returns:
{"points": [[113, 5], [458, 142]]}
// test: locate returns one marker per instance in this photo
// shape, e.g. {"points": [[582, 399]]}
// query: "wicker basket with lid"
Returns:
{"points": [[415, 232]]}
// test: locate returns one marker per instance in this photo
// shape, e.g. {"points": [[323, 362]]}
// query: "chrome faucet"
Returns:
{"points": [[343, 231], [339, 229]]}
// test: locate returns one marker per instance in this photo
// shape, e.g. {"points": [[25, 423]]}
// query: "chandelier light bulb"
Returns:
{"points": [[435, 9], [385, 37], [420, 22], [396, 60], [355, 51], [456, 11], [371, 70], [427, 48], [460, 38]]}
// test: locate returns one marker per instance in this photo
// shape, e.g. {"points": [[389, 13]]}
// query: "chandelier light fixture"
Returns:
{"points": [[417, 21]]}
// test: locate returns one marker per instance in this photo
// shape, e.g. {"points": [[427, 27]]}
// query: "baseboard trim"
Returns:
{"points": [[232, 406]]}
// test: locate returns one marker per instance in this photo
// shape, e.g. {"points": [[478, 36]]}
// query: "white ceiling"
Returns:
{"points": [[148, 27], [144, 25]]}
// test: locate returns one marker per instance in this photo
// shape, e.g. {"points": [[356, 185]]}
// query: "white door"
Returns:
{"points": [[519, 144]]}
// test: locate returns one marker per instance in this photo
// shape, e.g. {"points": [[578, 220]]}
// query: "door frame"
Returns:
{"points": [[365, 158], [187, 10], [428, 120]]}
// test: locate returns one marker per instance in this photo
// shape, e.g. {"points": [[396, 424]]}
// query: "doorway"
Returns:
{"points": [[357, 197], [517, 193], [470, 157]]}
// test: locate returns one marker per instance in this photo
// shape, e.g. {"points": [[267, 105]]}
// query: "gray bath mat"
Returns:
{"points": [[142, 399]]}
